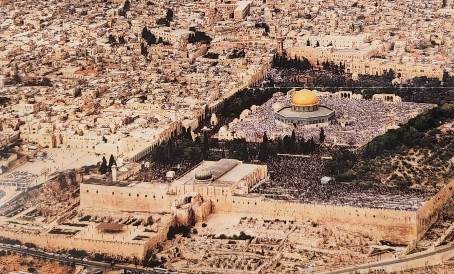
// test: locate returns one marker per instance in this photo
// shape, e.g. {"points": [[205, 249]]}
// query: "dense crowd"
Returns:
{"points": [[292, 176], [357, 122], [299, 178], [157, 172], [312, 77]]}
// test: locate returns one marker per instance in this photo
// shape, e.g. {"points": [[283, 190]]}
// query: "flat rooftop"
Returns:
{"points": [[232, 173]]}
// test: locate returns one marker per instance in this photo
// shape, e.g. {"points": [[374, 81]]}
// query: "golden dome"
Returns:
{"points": [[304, 97]]}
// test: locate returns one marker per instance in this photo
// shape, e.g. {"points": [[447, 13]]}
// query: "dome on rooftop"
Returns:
{"points": [[203, 174], [304, 97]]}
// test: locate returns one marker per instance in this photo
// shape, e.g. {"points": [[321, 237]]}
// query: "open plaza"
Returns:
{"points": [[351, 121]]}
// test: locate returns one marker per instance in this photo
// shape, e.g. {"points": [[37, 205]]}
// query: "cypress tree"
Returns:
{"points": [[322, 135], [103, 168], [293, 142], [263, 151], [206, 145], [112, 161]]}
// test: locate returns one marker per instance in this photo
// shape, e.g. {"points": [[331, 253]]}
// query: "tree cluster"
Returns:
{"points": [[113, 41], [4, 101], [107, 167], [165, 21], [149, 37], [263, 25], [15, 79], [198, 37], [124, 9], [211, 55], [333, 67], [289, 145], [410, 135], [419, 135], [181, 148], [284, 62], [341, 164], [236, 53]]}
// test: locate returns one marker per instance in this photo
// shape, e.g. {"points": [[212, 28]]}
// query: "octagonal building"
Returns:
{"points": [[305, 110]]}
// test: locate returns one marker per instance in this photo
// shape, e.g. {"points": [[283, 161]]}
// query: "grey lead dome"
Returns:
{"points": [[203, 174]]}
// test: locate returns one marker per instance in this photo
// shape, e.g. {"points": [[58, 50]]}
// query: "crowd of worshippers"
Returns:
{"points": [[311, 77], [294, 177], [357, 121], [157, 172]]}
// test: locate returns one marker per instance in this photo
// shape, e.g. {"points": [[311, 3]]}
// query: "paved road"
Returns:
{"points": [[415, 256], [71, 260], [67, 259]]}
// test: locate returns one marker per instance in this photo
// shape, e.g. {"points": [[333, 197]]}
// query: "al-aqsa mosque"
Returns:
{"points": [[305, 109]]}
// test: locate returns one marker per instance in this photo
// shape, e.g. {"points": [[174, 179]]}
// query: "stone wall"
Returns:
{"points": [[382, 224], [398, 226], [202, 211], [114, 198], [428, 213], [58, 242]]}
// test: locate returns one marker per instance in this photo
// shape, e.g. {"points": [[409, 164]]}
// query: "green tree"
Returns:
{"points": [[169, 15], [263, 150], [103, 168], [206, 145], [112, 39], [322, 136], [112, 161], [293, 142]]}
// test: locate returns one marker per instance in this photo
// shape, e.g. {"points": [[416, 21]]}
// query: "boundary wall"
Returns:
{"points": [[428, 213], [398, 226]]}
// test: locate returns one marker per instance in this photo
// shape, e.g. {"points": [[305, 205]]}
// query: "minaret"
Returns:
{"points": [[114, 173]]}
